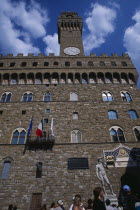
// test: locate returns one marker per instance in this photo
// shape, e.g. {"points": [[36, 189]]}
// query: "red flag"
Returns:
{"points": [[39, 131]]}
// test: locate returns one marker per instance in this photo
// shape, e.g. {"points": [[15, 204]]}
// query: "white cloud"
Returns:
{"points": [[52, 44], [19, 25], [100, 23], [132, 41], [114, 5]]}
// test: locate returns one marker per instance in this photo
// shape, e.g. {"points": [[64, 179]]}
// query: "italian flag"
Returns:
{"points": [[39, 131]]}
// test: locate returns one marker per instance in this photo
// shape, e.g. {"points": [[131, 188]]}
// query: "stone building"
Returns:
{"points": [[90, 108]]}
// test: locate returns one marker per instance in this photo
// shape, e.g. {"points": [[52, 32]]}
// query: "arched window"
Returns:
{"points": [[27, 97], [47, 78], [15, 137], [92, 78], [5, 80], [101, 63], [113, 63], [90, 63], [117, 134], [112, 114], [30, 78], [67, 63], [46, 63], [55, 78], [131, 78], [39, 170], [70, 78], [14, 78], [79, 63], [124, 79], [113, 135], [120, 135], [12, 64], [6, 169], [133, 114], [75, 115], [19, 136], [126, 96], [107, 96], [73, 96], [23, 64], [116, 78], [100, 78], [1, 64], [84, 78], [38, 78], [63, 78], [124, 63], [6, 97], [55, 63], [137, 132], [77, 78], [108, 78], [35, 63], [76, 136], [22, 78], [47, 97]]}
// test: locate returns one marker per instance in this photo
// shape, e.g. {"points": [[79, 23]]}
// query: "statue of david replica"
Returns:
{"points": [[101, 174]]}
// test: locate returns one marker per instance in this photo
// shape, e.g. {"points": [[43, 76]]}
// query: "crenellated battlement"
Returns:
{"points": [[30, 55], [41, 61]]}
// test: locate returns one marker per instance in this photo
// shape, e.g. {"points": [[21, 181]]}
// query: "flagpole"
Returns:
{"points": [[52, 126], [32, 126]]}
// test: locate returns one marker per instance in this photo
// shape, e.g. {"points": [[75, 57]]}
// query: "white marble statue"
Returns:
{"points": [[101, 174]]}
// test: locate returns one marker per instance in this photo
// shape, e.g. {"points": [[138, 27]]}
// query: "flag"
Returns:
{"points": [[30, 127], [52, 127], [39, 131]]}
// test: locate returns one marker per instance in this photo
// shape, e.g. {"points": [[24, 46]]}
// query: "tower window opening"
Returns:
{"points": [[23, 64], [79, 63], [35, 63], [12, 64], [46, 63], [67, 63], [1, 64]]}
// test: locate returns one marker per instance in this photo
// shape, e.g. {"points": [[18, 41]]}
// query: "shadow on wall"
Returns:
{"points": [[131, 177]]}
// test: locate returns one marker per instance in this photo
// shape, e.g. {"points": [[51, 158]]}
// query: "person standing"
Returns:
{"points": [[53, 206], [108, 206], [61, 204], [90, 204], [43, 207], [98, 202], [76, 198], [131, 199], [77, 204]]}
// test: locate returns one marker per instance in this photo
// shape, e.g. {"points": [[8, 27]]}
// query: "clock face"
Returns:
{"points": [[71, 51]]}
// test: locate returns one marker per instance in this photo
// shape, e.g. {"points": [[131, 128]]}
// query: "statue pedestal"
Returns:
{"points": [[113, 198]]}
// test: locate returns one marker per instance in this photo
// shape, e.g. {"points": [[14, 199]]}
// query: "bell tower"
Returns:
{"points": [[70, 34]]}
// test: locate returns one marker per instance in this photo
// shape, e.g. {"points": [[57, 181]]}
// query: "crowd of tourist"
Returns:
{"points": [[127, 201]]}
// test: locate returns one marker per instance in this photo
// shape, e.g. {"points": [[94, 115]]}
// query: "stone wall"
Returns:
{"points": [[93, 119], [57, 181]]}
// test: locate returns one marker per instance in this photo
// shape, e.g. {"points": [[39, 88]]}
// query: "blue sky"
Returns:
{"points": [[110, 26]]}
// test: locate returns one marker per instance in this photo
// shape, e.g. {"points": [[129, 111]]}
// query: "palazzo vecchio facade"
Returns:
{"points": [[90, 108]]}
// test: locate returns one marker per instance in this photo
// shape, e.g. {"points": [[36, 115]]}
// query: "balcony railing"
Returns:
{"points": [[39, 143]]}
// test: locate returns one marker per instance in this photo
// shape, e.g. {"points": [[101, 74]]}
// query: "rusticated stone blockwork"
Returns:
{"points": [[88, 105]]}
